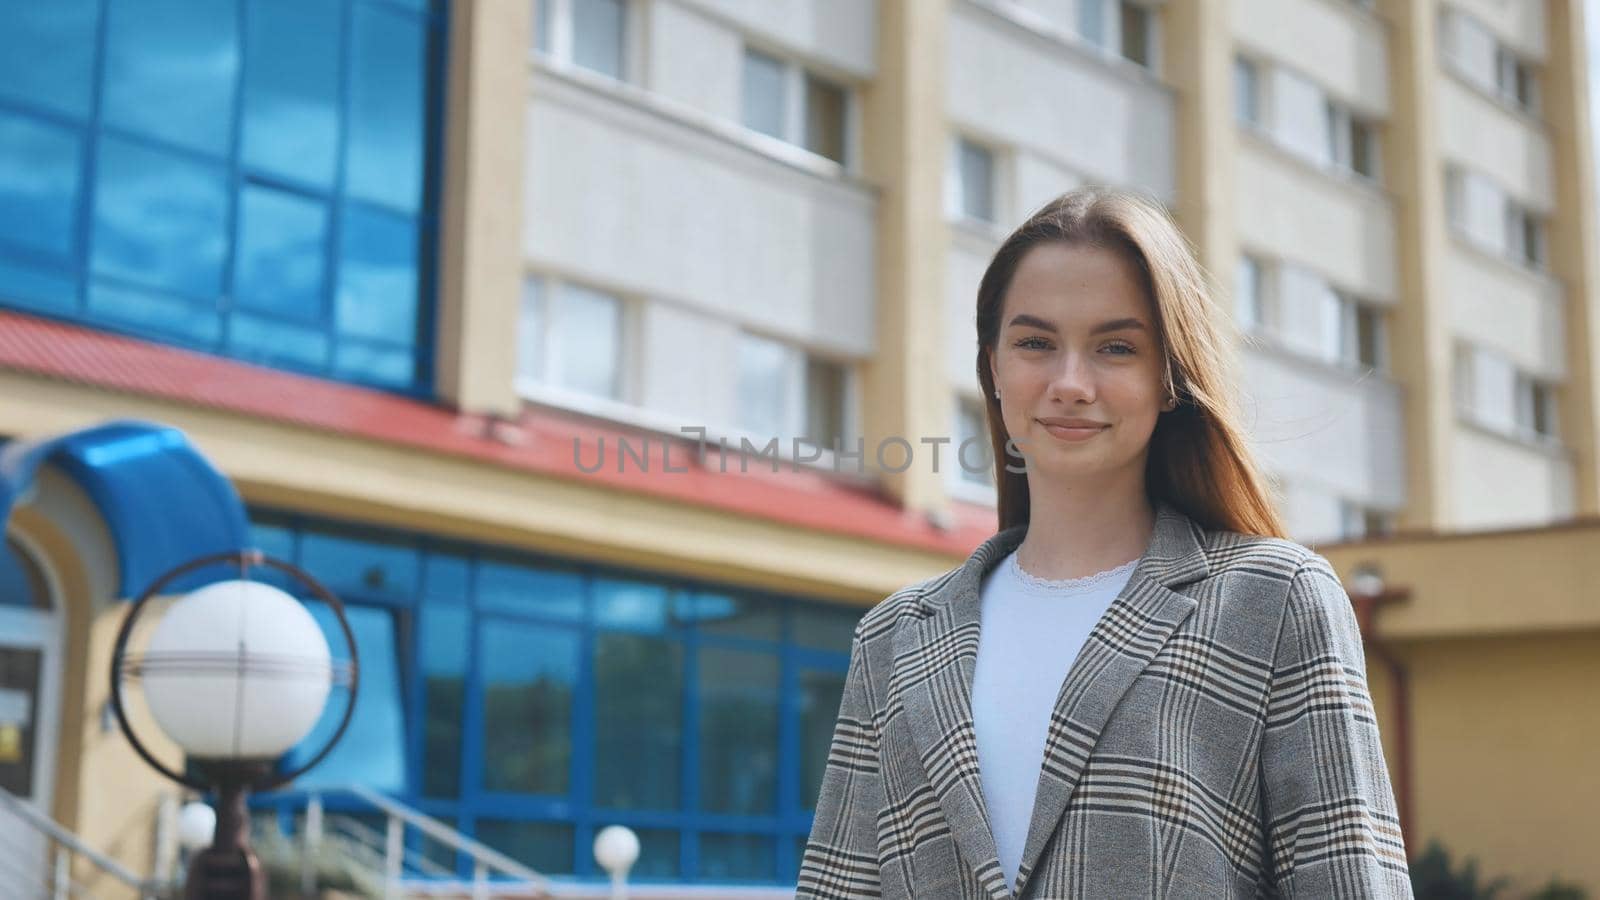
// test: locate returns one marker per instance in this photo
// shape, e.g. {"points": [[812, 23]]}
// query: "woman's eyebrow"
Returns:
{"points": [[1027, 321]]}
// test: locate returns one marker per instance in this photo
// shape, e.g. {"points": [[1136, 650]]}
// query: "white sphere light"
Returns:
{"points": [[616, 848], [197, 825], [237, 670]]}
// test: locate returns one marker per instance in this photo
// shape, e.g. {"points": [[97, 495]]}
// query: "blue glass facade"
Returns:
{"points": [[530, 701], [253, 178]]}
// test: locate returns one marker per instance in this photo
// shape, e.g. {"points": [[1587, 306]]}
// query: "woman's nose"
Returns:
{"points": [[1073, 380]]}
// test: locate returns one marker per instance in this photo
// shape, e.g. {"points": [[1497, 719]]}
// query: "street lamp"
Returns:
{"points": [[236, 673]]}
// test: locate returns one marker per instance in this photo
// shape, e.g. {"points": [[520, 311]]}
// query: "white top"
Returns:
{"points": [[1031, 630]]}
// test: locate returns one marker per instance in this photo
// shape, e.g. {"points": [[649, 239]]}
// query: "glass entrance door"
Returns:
{"points": [[29, 701]]}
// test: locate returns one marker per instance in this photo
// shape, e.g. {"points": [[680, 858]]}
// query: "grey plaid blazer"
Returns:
{"points": [[1214, 738]]}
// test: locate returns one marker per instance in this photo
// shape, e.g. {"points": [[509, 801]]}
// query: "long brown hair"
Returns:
{"points": [[1199, 460]]}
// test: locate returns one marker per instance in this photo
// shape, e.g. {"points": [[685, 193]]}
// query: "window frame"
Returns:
{"points": [[797, 402], [796, 96], [543, 384], [1255, 91], [561, 49], [955, 181], [1352, 137]]}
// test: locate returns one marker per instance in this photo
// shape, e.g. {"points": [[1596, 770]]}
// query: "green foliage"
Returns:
{"points": [[1559, 890], [1433, 877]]}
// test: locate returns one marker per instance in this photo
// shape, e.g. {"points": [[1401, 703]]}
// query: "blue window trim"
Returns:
{"points": [[92, 130], [786, 826]]}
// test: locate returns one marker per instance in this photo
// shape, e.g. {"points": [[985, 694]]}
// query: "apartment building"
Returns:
{"points": [[392, 275]]}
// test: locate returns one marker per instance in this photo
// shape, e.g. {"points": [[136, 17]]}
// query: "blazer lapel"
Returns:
{"points": [[1119, 647], [933, 665]]}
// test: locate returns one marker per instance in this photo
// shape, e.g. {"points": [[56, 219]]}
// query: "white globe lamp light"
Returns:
{"points": [[616, 849]]}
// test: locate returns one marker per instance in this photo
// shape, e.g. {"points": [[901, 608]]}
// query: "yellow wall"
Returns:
{"points": [[1505, 746]]}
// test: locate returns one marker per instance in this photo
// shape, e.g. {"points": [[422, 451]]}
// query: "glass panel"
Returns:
{"points": [[530, 331], [820, 693], [825, 627], [763, 386], [161, 315], [1092, 21], [280, 257], [977, 182], [39, 166], [524, 589], [543, 25], [528, 676], [375, 363], [638, 712], [630, 604], [737, 857], [445, 633], [588, 350], [47, 54], [384, 153], [659, 852], [738, 731], [1136, 33], [367, 565], [372, 751], [170, 70], [378, 276], [160, 219], [825, 118], [825, 401], [21, 582], [974, 464], [763, 101], [1246, 92], [733, 616], [270, 342], [546, 847], [597, 35], [45, 288], [291, 89], [19, 702], [1247, 293]]}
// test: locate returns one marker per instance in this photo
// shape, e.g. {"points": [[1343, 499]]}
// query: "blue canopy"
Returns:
{"points": [[162, 501]]}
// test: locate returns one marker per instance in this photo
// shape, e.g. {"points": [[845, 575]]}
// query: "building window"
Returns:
{"points": [[784, 100], [1525, 241], [1247, 92], [1362, 335], [1536, 407], [971, 182], [1249, 294], [784, 393], [276, 210], [1353, 141], [1358, 521], [971, 425], [1515, 82], [570, 337], [578, 694], [587, 33], [1124, 27], [1494, 393]]}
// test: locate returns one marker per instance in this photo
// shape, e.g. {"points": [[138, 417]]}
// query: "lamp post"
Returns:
{"points": [[236, 673]]}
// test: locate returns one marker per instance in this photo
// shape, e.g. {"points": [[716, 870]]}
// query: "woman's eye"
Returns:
{"points": [[1120, 347], [1033, 343]]}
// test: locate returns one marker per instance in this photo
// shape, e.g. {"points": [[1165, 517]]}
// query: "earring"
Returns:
{"points": [[1172, 403], [997, 393]]}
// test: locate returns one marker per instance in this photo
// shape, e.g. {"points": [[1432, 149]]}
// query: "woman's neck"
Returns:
{"points": [[1075, 535]]}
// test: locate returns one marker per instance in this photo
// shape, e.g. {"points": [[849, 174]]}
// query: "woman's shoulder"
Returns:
{"points": [[1264, 555]]}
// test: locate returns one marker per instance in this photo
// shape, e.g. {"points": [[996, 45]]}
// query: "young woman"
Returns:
{"points": [[1137, 687]]}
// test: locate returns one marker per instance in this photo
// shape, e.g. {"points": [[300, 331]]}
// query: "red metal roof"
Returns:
{"points": [[802, 498]]}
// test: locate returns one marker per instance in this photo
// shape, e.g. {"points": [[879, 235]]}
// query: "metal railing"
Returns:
{"points": [[65, 846], [393, 859]]}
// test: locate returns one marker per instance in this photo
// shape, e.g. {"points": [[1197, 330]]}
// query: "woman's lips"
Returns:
{"points": [[1073, 434]]}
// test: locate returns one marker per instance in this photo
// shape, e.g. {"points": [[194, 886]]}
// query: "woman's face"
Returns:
{"points": [[1078, 364]]}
